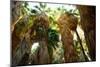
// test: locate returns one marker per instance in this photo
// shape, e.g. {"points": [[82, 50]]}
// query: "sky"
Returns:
{"points": [[52, 5]]}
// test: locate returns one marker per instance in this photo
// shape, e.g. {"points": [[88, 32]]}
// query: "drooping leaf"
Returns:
{"points": [[42, 5], [26, 4], [37, 7], [34, 11]]}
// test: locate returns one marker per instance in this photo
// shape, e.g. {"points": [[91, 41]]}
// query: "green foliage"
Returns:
{"points": [[43, 5], [25, 4], [33, 11], [53, 38]]}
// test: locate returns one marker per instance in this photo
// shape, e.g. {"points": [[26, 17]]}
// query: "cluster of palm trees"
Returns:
{"points": [[29, 26]]}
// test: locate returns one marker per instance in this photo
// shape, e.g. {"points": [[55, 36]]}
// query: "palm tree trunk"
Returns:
{"points": [[88, 23], [85, 56]]}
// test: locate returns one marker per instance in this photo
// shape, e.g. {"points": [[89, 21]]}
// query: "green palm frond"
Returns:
{"points": [[53, 38]]}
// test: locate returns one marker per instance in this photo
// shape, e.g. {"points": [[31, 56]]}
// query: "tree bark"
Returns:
{"points": [[43, 54], [88, 23]]}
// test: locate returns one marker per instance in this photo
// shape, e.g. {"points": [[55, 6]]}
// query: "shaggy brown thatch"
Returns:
{"points": [[67, 23]]}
